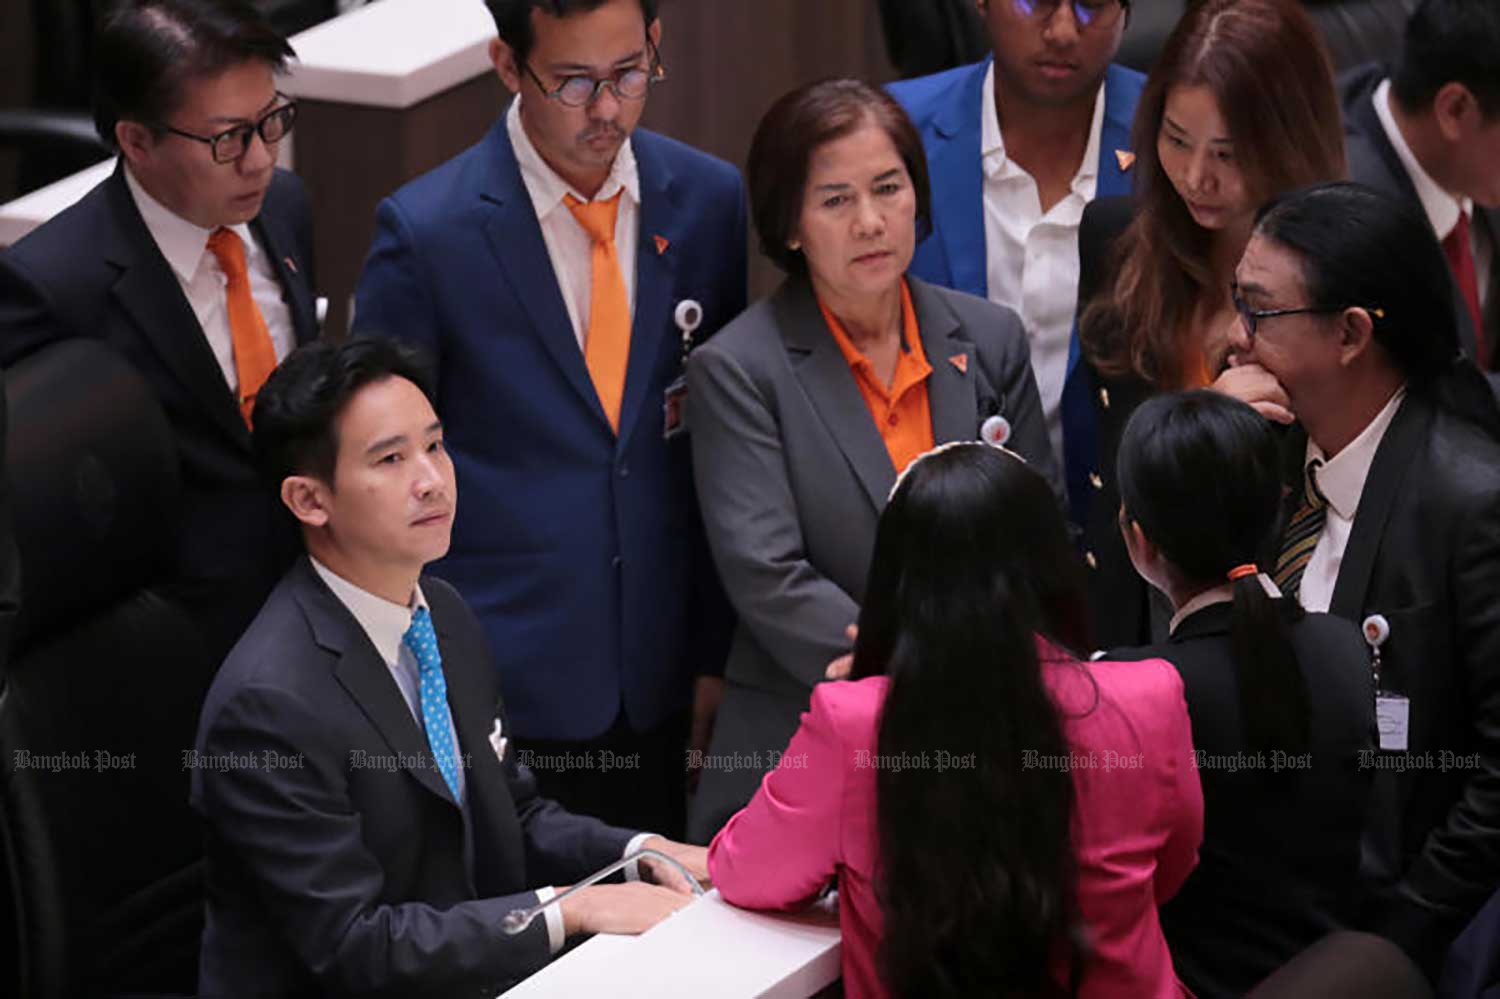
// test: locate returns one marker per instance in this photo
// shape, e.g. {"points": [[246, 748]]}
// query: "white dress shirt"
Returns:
{"points": [[1031, 257], [386, 624], [1221, 594], [1441, 207], [185, 247], [568, 246], [1341, 480]]}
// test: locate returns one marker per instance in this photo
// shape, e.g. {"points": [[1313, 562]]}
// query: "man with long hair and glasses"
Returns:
{"points": [[559, 271], [194, 260], [1017, 145]]}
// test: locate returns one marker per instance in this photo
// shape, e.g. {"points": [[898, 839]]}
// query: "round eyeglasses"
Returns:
{"points": [[1087, 13], [232, 143], [629, 84]]}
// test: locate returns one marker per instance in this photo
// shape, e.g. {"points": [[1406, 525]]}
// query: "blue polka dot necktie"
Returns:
{"points": [[422, 641]]}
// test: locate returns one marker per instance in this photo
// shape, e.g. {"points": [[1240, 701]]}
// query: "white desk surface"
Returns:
{"points": [[392, 54], [19, 217], [709, 949]]}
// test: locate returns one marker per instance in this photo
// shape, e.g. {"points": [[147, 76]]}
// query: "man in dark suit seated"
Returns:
{"points": [[1429, 132], [193, 260], [369, 826], [1393, 521]]}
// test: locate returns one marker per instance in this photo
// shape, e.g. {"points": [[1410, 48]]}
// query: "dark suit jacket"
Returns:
{"points": [[1424, 552], [1374, 161], [581, 551], [1120, 603], [1279, 864], [337, 862], [793, 474], [95, 271], [10, 562]]}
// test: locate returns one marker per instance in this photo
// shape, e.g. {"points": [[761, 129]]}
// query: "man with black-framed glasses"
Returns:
{"points": [[194, 260], [558, 271], [1017, 145]]}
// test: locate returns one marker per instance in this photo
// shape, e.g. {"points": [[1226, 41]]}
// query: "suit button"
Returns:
{"points": [[1095, 481], [1104, 397], [1091, 560], [624, 471], [617, 562]]}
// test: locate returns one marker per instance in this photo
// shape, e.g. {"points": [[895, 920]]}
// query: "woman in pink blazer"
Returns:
{"points": [[1000, 818]]}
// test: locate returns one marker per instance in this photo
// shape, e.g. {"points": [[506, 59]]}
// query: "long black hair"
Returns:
{"points": [[1200, 473], [978, 878]]}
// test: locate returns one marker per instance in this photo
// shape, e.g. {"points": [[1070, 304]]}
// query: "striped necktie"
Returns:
{"points": [[1302, 533]]}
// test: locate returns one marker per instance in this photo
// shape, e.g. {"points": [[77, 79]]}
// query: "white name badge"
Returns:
{"points": [[1393, 718]]}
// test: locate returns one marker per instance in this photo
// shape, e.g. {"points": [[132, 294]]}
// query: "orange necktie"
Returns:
{"points": [[606, 346], [254, 353]]}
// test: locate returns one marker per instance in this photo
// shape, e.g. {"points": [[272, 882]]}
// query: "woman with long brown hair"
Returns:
{"points": [[1240, 107]]}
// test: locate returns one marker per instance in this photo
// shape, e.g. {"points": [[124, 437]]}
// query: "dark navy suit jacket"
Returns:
{"points": [[581, 552], [338, 861], [946, 109]]}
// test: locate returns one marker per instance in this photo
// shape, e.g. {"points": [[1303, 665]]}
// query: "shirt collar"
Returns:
{"points": [[1341, 479], [384, 622], [181, 242], [992, 140], [546, 188], [1221, 594], [1441, 207]]}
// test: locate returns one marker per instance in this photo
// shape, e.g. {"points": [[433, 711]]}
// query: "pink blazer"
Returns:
{"points": [[1138, 822]]}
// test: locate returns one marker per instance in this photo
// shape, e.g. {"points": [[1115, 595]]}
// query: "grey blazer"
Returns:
{"points": [[792, 474]]}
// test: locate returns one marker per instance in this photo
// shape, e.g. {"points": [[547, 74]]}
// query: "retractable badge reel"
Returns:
{"points": [[688, 316], [1392, 711]]}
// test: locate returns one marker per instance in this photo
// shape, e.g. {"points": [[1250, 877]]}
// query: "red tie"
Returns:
{"points": [[1461, 259]]}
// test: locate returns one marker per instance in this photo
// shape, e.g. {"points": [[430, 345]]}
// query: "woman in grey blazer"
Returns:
{"points": [[803, 408]]}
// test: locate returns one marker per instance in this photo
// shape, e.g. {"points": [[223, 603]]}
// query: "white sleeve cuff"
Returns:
{"points": [[633, 869], [556, 935]]}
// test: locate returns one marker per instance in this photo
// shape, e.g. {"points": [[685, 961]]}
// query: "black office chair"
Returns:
{"points": [[100, 855]]}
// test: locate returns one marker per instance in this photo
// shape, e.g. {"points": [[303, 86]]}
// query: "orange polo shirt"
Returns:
{"points": [[900, 410]]}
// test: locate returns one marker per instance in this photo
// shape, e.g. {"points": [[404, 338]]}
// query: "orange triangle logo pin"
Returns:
{"points": [[960, 361], [1125, 158], [661, 244]]}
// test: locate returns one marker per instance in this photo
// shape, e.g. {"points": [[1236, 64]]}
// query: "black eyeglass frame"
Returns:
{"points": [[655, 72], [1250, 318], [1050, 8], [287, 110]]}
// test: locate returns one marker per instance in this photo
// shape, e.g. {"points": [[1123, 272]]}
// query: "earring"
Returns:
{"points": [[795, 245]]}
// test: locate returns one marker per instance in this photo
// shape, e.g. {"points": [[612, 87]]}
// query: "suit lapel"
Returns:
{"points": [[958, 172], [149, 293], [1115, 157], [362, 673], [655, 277], [515, 237], [281, 248], [951, 391], [825, 376], [1393, 458]]}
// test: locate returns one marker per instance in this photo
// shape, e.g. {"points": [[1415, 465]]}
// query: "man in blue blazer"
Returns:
{"points": [[581, 547], [1016, 146]]}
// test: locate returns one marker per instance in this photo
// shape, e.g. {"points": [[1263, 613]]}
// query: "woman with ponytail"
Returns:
{"points": [[1000, 818], [1282, 702]]}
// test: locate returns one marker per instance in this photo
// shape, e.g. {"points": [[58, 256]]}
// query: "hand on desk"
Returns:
{"points": [[694, 858], [629, 908]]}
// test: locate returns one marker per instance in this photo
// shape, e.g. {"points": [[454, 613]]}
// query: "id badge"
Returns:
{"points": [[674, 409], [1393, 719]]}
